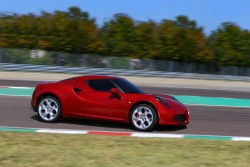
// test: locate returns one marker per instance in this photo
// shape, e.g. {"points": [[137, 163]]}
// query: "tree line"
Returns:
{"points": [[74, 31]]}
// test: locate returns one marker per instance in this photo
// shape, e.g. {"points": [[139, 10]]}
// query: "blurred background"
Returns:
{"points": [[162, 40]]}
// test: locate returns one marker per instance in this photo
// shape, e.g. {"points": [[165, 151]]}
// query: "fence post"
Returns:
{"points": [[130, 64], [170, 66], [84, 60], [1, 55], [58, 58], [189, 68], [223, 70], [235, 70], [151, 65], [108, 61], [1, 58]]}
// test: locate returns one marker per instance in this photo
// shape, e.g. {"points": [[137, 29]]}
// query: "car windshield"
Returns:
{"points": [[127, 86]]}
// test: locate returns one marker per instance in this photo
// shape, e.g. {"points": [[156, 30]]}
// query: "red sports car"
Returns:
{"points": [[108, 98]]}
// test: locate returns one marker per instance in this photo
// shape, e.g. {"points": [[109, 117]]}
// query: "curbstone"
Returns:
{"points": [[124, 134]]}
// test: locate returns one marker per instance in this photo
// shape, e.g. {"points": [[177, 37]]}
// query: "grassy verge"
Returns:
{"points": [[38, 150]]}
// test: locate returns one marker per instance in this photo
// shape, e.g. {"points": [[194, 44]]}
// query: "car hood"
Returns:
{"points": [[164, 96], [170, 99]]}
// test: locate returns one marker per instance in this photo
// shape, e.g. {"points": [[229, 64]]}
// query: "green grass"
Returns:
{"points": [[47, 150]]}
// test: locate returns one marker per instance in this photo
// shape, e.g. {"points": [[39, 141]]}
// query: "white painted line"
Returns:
{"points": [[195, 87], [216, 105], [241, 138], [15, 95], [17, 127], [157, 135], [62, 131], [16, 87]]}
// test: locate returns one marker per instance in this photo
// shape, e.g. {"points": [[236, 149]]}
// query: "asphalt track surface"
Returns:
{"points": [[205, 120]]}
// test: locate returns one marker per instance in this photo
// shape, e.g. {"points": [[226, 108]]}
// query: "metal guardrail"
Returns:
{"points": [[107, 71], [51, 58]]}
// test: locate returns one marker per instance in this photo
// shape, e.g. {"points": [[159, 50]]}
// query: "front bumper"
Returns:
{"points": [[182, 118], [174, 116]]}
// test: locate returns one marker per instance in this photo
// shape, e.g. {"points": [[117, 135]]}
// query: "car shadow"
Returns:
{"points": [[170, 128], [95, 123], [108, 124], [88, 122]]}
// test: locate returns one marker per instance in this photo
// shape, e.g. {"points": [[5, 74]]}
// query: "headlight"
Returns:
{"points": [[164, 102], [175, 99]]}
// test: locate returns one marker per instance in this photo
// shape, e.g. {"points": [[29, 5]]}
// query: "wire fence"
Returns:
{"points": [[38, 57]]}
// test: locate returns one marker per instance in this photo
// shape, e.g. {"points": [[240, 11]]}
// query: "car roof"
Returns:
{"points": [[88, 77]]}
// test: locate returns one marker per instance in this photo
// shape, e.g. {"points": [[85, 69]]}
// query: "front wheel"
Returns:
{"points": [[49, 109], [143, 117]]}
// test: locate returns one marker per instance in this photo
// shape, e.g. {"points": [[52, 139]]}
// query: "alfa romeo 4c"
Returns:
{"points": [[107, 98]]}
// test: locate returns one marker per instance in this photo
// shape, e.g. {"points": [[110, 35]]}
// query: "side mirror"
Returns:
{"points": [[114, 91]]}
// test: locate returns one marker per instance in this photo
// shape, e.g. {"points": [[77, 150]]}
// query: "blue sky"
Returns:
{"points": [[207, 13]]}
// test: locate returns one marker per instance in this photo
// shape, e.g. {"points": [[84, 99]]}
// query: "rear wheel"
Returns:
{"points": [[143, 117], [49, 109]]}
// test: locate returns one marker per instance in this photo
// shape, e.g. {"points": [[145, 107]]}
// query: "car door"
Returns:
{"points": [[99, 102]]}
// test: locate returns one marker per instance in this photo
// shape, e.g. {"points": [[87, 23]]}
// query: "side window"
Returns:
{"points": [[100, 84]]}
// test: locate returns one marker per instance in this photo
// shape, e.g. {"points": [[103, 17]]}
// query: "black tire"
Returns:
{"points": [[143, 118], [49, 109]]}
